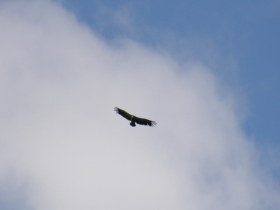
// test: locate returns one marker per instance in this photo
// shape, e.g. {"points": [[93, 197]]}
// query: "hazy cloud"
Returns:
{"points": [[60, 138]]}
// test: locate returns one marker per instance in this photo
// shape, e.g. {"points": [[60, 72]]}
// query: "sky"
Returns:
{"points": [[205, 71]]}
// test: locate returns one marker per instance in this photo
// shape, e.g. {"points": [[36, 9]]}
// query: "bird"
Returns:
{"points": [[134, 119]]}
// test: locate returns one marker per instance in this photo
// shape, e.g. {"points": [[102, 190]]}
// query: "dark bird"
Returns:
{"points": [[134, 119]]}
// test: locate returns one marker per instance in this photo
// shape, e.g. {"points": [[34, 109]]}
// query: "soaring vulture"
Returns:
{"points": [[134, 119]]}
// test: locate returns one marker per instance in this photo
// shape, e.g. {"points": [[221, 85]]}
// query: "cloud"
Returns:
{"points": [[62, 141]]}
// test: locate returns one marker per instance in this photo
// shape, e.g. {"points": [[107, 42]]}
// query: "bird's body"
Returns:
{"points": [[134, 119], [132, 123]]}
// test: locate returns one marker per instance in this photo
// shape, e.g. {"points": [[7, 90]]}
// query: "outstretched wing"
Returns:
{"points": [[142, 121], [123, 113]]}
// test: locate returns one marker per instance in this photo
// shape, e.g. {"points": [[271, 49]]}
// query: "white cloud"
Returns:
{"points": [[59, 134]]}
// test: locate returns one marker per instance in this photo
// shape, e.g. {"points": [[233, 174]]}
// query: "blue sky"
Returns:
{"points": [[242, 38], [244, 35], [205, 71]]}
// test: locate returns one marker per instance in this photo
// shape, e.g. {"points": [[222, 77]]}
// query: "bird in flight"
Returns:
{"points": [[134, 119]]}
